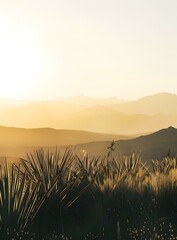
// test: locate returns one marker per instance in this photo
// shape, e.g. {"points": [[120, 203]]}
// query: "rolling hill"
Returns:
{"points": [[15, 142], [19, 137]]}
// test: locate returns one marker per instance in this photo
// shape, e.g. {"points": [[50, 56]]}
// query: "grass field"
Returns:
{"points": [[62, 196]]}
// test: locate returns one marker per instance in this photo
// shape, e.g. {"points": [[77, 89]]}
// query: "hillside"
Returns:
{"points": [[15, 137], [15, 142], [152, 146]]}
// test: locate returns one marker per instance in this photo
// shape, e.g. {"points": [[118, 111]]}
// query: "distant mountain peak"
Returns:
{"points": [[171, 128], [159, 95], [169, 132]]}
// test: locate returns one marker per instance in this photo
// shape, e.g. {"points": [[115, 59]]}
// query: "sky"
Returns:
{"points": [[98, 48]]}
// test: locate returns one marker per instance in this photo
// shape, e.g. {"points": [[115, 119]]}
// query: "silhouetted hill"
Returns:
{"points": [[152, 146], [15, 142], [49, 137]]}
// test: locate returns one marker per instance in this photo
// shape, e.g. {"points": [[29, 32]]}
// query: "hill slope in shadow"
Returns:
{"points": [[15, 142], [152, 146]]}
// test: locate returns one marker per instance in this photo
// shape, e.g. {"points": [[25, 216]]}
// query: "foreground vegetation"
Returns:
{"points": [[62, 196]]}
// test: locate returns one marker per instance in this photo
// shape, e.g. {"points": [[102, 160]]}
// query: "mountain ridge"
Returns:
{"points": [[49, 136], [151, 146], [132, 117]]}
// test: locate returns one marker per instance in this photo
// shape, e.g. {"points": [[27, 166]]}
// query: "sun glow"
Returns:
{"points": [[20, 61]]}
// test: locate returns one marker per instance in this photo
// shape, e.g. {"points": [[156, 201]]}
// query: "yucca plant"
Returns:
{"points": [[48, 168], [27, 192], [19, 201], [17, 198]]}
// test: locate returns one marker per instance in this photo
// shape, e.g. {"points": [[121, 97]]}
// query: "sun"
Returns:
{"points": [[20, 63]]}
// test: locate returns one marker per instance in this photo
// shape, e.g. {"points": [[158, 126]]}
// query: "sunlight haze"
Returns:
{"points": [[53, 49]]}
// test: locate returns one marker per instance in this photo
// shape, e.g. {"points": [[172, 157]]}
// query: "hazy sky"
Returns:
{"points": [[99, 48]]}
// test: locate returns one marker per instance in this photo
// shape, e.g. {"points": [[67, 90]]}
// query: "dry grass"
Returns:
{"points": [[54, 190]]}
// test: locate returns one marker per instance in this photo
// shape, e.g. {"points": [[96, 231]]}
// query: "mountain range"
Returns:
{"points": [[110, 116], [15, 142]]}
